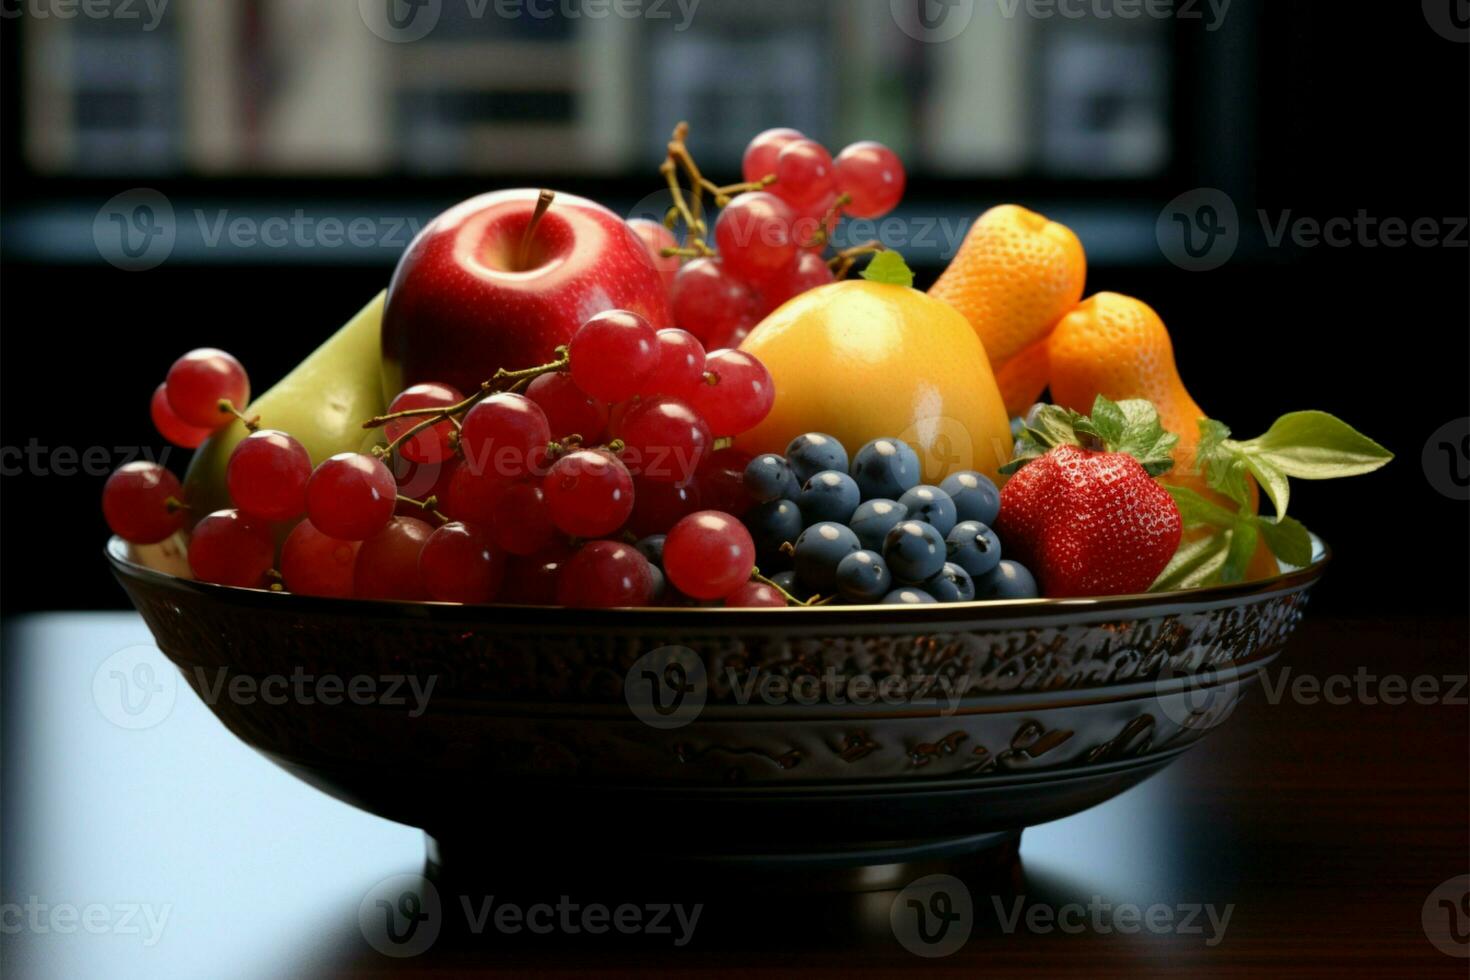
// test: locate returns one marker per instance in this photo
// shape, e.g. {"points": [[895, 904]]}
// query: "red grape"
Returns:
{"points": [[135, 501], [199, 380], [432, 444], [760, 155], [710, 302], [314, 564], [505, 435], [809, 271], [754, 235], [605, 574], [569, 410], [708, 555], [531, 580], [459, 563], [388, 562], [755, 595], [471, 497], [170, 426], [267, 475], [741, 396], [351, 496], [420, 481], [589, 493], [872, 176], [665, 439], [613, 354], [229, 548], [804, 174], [721, 480], [521, 524], [658, 237], [657, 506], [680, 364]]}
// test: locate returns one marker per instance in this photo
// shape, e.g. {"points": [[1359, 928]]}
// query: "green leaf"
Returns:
{"points": [[1052, 426], [1243, 539], [1288, 540], [1271, 479], [1316, 446], [1195, 510], [1107, 422], [1196, 564], [889, 267]]}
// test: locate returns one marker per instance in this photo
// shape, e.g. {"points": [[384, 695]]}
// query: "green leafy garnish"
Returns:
{"points": [[1130, 426], [889, 267]]}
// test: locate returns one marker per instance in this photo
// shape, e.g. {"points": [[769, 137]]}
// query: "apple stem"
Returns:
{"points": [[542, 203]]}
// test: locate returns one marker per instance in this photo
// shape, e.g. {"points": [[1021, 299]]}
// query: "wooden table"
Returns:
{"points": [[1320, 820]]}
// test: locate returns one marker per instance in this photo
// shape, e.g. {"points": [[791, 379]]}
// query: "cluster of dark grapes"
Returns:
{"points": [[870, 532]]}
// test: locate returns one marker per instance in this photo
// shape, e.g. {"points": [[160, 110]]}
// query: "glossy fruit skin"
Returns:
{"points": [[755, 237], [432, 444], [914, 551], [908, 596], [1088, 523], [1015, 275], [773, 524], [456, 312], [755, 595], [569, 410], [711, 303], [603, 575], [874, 518], [812, 452], [786, 580], [656, 236], [613, 355], [589, 493], [862, 360], [652, 548], [680, 369], [472, 496], [1008, 580], [229, 548], [199, 380], [170, 426], [769, 477], [873, 176], [135, 503], [388, 562], [664, 439], [521, 523], [351, 496], [658, 506], [974, 547], [721, 481], [886, 469], [314, 564], [862, 577], [830, 495], [819, 549], [932, 506], [950, 584], [805, 174], [760, 156], [505, 434], [741, 396], [460, 563], [532, 580], [809, 271], [268, 474], [975, 496], [708, 555]]}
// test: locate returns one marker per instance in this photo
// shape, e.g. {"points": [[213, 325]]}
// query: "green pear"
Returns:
{"points": [[322, 403]]}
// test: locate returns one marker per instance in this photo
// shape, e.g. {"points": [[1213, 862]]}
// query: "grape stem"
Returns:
{"points": [[841, 263], [820, 238], [427, 505], [791, 600], [252, 423], [173, 505]]}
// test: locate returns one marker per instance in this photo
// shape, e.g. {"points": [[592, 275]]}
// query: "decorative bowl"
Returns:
{"points": [[737, 741]]}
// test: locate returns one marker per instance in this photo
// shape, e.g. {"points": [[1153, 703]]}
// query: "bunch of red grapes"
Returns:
{"points": [[557, 489], [770, 242]]}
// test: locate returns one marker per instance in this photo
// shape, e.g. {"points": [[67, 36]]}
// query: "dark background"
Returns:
{"points": [[1311, 108]]}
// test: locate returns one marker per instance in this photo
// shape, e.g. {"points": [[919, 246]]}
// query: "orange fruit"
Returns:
{"points": [[1023, 378], [1015, 275], [862, 360]]}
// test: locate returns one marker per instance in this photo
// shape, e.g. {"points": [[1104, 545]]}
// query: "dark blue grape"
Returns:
{"points": [[975, 497], [770, 477], [814, 452], [1008, 580], [658, 582], [885, 468], [652, 548], [786, 580], [951, 584], [974, 547], [908, 597], [819, 549], [863, 577], [874, 519], [771, 525], [830, 495], [930, 505], [914, 551]]}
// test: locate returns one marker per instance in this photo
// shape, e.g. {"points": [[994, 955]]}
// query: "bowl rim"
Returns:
{"points": [[993, 612]]}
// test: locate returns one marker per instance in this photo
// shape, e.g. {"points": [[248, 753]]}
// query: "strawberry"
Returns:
{"points": [[1082, 510]]}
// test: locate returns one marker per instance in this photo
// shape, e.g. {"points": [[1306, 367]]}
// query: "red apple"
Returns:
{"points": [[475, 292]]}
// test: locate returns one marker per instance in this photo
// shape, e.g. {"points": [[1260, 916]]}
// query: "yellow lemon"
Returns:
{"points": [[863, 360]]}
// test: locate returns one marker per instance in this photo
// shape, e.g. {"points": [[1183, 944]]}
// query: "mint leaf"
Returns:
{"points": [[1316, 446], [1195, 565], [889, 267], [1288, 540]]}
